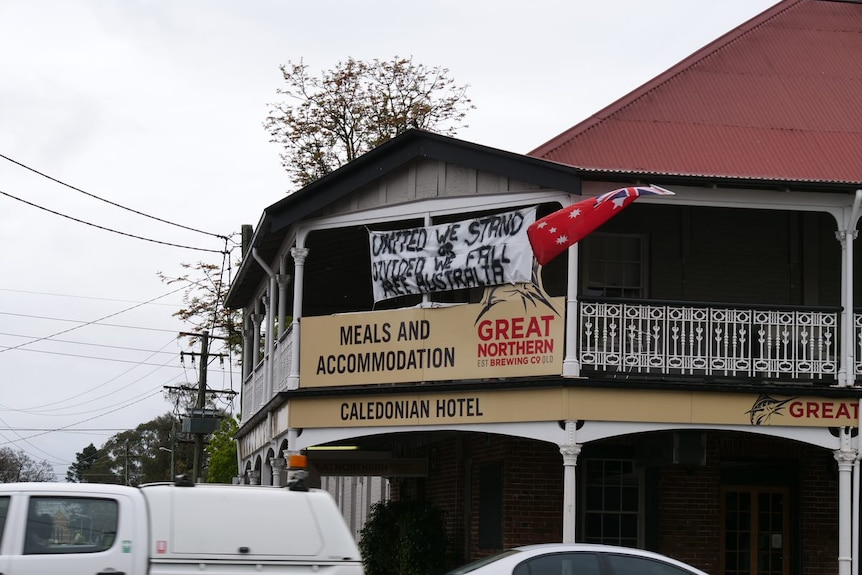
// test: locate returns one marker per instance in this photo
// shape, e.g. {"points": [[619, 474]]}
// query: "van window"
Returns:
{"points": [[4, 508], [70, 525]]}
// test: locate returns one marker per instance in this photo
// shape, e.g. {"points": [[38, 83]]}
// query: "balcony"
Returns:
{"points": [[674, 338], [649, 338], [254, 394]]}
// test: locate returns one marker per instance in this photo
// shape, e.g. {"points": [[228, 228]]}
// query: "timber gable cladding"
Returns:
{"points": [[424, 179]]}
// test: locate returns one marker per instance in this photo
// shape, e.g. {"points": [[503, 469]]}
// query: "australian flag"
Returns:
{"points": [[553, 234]]}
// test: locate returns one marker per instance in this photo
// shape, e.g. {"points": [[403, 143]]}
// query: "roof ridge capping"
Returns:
{"points": [[728, 38]]}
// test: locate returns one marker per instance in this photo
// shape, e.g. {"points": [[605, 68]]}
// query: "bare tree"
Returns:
{"points": [[333, 118], [18, 466], [203, 301]]}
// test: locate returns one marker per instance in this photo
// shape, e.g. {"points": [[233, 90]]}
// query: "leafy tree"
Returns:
{"points": [[18, 466], [334, 118], [222, 453], [134, 456], [83, 462]]}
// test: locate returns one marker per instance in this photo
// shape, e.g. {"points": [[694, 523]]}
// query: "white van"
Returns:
{"points": [[171, 529]]}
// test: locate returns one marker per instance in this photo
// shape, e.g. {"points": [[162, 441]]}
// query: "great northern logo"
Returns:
{"points": [[765, 407]]}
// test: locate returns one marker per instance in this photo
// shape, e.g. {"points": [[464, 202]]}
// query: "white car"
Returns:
{"points": [[576, 559]]}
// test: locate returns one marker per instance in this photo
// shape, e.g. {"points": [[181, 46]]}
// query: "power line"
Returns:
{"points": [[77, 430], [81, 296], [114, 359], [104, 345], [96, 322], [88, 403], [66, 427], [90, 322], [110, 202], [94, 357], [110, 229]]}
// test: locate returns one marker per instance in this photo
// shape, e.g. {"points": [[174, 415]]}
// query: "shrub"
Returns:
{"points": [[404, 538]]}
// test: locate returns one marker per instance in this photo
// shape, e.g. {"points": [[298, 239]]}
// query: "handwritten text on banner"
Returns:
{"points": [[484, 251]]}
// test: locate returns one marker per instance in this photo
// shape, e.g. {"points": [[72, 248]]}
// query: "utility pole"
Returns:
{"points": [[201, 402], [199, 413]]}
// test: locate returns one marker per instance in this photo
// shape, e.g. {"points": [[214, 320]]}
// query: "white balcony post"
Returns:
{"points": [[571, 364], [268, 346], [256, 320], [283, 279], [270, 305], [299, 255], [845, 455], [846, 234], [570, 451], [854, 520], [247, 349]]}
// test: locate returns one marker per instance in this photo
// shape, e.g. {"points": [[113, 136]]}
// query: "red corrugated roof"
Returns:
{"points": [[778, 98]]}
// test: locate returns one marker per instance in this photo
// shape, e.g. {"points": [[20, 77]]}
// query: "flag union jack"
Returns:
{"points": [[553, 234]]}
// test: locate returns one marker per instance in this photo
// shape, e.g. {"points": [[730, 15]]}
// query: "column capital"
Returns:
{"points": [[299, 255], [570, 453], [845, 457], [283, 280], [843, 235]]}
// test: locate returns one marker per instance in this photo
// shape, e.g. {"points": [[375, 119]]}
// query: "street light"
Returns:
{"points": [[171, 451]]}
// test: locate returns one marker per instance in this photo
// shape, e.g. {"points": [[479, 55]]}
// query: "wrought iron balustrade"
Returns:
{"points": [[684, 338]]}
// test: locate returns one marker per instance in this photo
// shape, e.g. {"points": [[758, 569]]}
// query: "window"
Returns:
{"points": [[559, 564], [631, 565], [756, 530], [491, 506], [70, 525], [4, 509], [614, 265], [611, 502]]}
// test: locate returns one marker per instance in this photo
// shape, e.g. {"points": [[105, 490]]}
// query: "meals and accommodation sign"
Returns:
{"points": [[516, 331]]}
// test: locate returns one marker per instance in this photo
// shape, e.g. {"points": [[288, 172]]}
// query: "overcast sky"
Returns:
{"points": [[157, 105]]}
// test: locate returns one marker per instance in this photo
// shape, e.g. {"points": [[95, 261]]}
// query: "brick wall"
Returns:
{"points": [[685, 517], [689, 500], [532, 490], [689, 522]]}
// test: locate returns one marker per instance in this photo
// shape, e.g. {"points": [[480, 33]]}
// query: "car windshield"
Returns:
{"points": [[482, 562]]}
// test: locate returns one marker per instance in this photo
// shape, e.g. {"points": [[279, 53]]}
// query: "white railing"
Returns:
{"points": [[254, 393], [283, 360], [254, 390], [857, 323], [676, 338]]}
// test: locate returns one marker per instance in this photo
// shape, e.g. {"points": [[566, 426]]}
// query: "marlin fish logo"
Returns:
{"points": [[765, 407], [532, 294]]}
